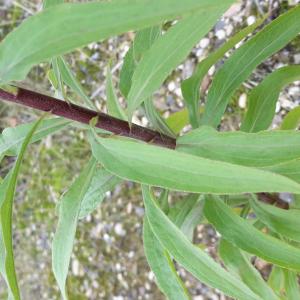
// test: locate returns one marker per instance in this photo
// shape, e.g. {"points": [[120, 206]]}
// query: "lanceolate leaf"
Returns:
{"points": [[6, 216], [70, 80], [142, 42], [102, 182], [245, 59], [291, 120], [69, 209], [263, 98], [162, 266], [113, 106], [11, 139], [249, 149], [291, 285], [193, 259], [246, 237], [168, 52], [284, 222], [237, 262], [276, 280], [191, 87], [170, 169], [78, 24]]}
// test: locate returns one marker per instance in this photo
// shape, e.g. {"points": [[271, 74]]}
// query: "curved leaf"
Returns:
{"points": [[191, 87], [167, 53], [65, 27], [291, 285], [246, 237], [170, 169], [245, 59], [284, 222], [249, 149], [193, 259], [291, 120], [69, 208], [263, 98], [6, 211], [237, 262], [162, 266], [12, 138]]}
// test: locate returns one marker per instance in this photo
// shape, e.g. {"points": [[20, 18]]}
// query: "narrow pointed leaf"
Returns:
{"points": [[284, 222], [291, 285], [6, 211], [291, 120], [237, 262], [276, 279], [170, 169], [245, 59], [102, 182], [263, 98], [246, 237], [168, 52], [193, 259], [11, 139], [113, 106], [162, 266], [142, 42], [70, 80], [191, 87], [249, 149], [69, 209], [77, 24]]}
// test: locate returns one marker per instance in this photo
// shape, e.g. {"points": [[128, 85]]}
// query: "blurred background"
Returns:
{"points": [[108, 260]]}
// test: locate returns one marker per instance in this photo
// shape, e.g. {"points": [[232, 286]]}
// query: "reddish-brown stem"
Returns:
{"points": [[83, 115]]}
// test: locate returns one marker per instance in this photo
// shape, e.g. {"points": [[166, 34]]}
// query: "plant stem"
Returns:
{"points": [[83, 115]]}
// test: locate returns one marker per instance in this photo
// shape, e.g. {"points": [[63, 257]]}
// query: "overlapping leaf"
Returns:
{"points": [[284, 222], [196, 261], [6, 215], [162, 266], [237, 262], [191, 87], [246, 237], [245, 59], [168, 52], [249, 149], [263, 98], [69, 209], [65, 27], [291, 120]]}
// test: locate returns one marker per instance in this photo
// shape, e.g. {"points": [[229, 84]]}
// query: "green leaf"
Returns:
{"points": [[290, 169], [284, 222], [246, 237], [49, 3], [6, 216], [162, 266], [249, 149], [237, 263], [78, 24], [291, 120], [167, 52], [178, 120], [191, 87], [245, 59], [69, 209], [113, 106], [102, 182], [70, 80], [291, 285], [142, 42], [11, 139], [276, 279], [157, 121], [170, 169], [193, 259], [263, 98]]}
